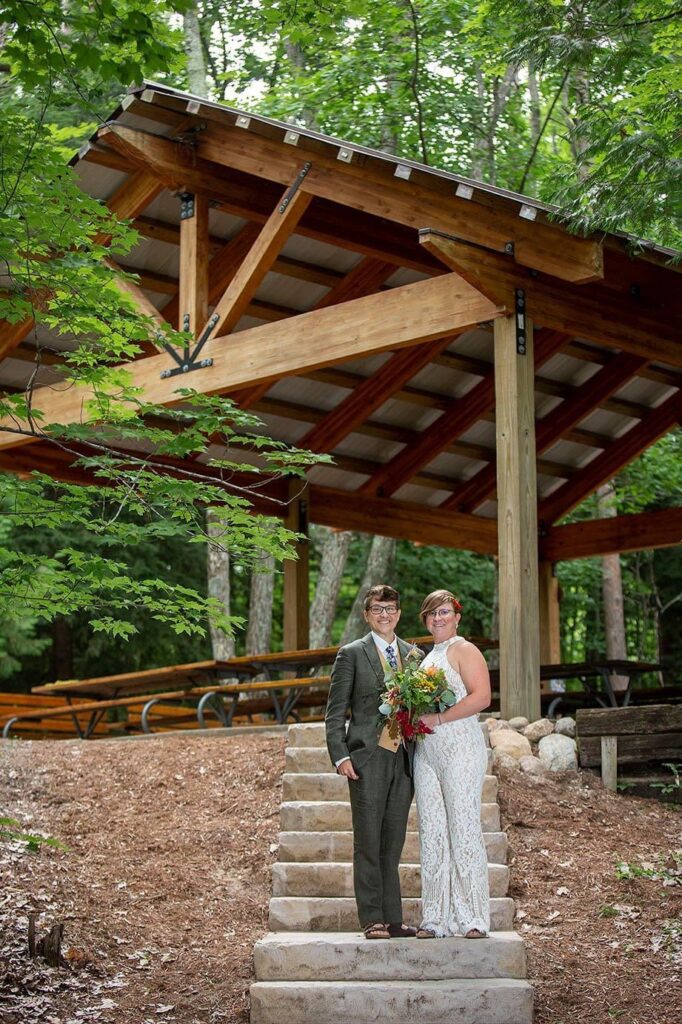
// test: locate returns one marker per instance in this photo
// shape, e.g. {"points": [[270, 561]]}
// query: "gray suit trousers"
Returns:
{"points": [[380, 803]]}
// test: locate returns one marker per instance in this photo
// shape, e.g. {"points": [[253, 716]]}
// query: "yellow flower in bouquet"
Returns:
{"points": [[410, 693]]}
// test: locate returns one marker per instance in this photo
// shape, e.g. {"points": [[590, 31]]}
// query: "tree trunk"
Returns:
{"points": [[612, 590], [196, 64], [259, 629], [333, 562], [62, 649], [379, 562], [218, 568]]}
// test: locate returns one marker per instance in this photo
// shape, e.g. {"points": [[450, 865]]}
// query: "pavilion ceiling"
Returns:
{"points": [[357, 320]]}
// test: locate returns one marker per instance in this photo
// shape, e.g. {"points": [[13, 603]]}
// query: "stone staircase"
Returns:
{"points": [[315, 967]]}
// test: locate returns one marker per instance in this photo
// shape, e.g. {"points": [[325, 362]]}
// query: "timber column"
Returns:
{"points": [[517, 516], [296, 572]]}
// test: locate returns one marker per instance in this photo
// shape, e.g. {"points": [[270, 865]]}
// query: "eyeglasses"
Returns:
{"points": [[441, 613], [377, 609]]}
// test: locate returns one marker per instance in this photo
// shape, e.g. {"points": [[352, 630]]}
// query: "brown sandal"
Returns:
{"points": [[475, 933], [378, 930], [425, 933]]}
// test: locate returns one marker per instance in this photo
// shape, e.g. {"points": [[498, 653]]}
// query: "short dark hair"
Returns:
{"points": [[381, 592]]}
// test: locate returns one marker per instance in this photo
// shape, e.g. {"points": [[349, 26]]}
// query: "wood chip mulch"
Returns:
{"points": [[163, 889]]}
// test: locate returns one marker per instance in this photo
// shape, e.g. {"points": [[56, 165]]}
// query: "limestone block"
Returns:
{"points": [[324, 786], [338, 846], [510, 742], [336, 879], [558, 753], [536, 730], [337, 956], [334, 816], [327, 914], [466, 1000]]}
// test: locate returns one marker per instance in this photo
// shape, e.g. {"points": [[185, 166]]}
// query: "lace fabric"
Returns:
{"points": [[449, 769]]}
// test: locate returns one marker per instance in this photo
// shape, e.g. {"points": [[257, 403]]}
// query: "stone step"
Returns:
{"points": [[338, 846], [319, 879], [334, 816], [329, 786], [316, 759], [312, 734], [464, 1000], [337, 956], [326, 914]]}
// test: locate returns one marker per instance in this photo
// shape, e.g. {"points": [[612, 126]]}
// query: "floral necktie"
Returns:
{"points": [[391, 658]]}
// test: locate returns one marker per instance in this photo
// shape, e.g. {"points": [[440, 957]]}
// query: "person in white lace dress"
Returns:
{"points": [[449, 768]]}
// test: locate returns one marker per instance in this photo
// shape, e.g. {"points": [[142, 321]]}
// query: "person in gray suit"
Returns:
{"points": [[381, 789]]}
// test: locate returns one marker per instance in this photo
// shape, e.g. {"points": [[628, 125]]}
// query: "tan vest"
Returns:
{"points": [[385, 740]]}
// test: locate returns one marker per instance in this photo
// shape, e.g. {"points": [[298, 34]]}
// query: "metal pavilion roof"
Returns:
{"points": [[306, 270]]}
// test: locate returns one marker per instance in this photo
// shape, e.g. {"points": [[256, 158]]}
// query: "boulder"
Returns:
{"points": [[518, 723], [497, 723], [510, 742], [504, 762], [558, 753], [532, 766], [536, 730], [565, 726]]}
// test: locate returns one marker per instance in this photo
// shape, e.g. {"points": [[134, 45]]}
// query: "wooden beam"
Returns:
{"points": [[261, 256], [364, 279], [459, 417], [194, 255], [542, 246], [644, 531], [517, 523], [591, 395], [370, 396], [398, 318], [403, 520], [590, 311], [622, 451]]}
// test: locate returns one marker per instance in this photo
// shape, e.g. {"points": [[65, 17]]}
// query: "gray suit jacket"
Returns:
{"points": [[357, 682]]}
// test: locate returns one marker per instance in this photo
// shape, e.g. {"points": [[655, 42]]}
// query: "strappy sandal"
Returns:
{"points": [[378, 930], [475, 933], [425, 933]]}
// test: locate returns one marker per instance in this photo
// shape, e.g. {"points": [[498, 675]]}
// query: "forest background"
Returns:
{"points": [[576, 103]]}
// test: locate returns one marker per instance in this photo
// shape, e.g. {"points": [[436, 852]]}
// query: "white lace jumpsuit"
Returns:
{"points": [[449, 769]]}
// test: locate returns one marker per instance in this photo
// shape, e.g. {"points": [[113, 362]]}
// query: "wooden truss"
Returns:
{"points": [[480, 261]]}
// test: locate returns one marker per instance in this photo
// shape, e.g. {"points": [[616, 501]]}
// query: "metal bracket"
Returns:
{"points": [[186, 205], [190, 360], [509, 248], [520, 305], [295, 187]]}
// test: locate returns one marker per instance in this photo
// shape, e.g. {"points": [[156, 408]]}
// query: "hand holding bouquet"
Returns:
{"points": [[410, 693]]}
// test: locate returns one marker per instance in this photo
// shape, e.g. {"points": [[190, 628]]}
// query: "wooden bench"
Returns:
{"points": [[613, 736], [18, 704]]}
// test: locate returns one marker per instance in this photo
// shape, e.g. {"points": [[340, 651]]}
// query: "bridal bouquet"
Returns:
{"points": [[410, 693]]}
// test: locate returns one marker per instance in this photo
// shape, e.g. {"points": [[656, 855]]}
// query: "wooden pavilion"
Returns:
{"points": [[475, 370]]}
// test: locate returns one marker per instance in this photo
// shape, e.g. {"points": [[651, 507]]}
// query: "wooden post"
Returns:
{"points": [[296, 596], [609, 762], [517, 520], [550, 625], [194, 254]]}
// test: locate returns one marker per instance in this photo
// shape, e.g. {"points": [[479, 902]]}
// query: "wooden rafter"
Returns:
{"points": [[127, 201], [640, 532], [619, 453], [301, 413], [194, 256], [398, 318], [620, 369], [370, 396], [461, 415], [591, 311], [540, 246]]}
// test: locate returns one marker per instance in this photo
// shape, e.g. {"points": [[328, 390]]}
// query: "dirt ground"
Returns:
{"points": [[163, 889]]}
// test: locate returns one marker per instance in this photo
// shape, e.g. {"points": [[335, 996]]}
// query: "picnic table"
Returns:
{"points": [[601, 671]]}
